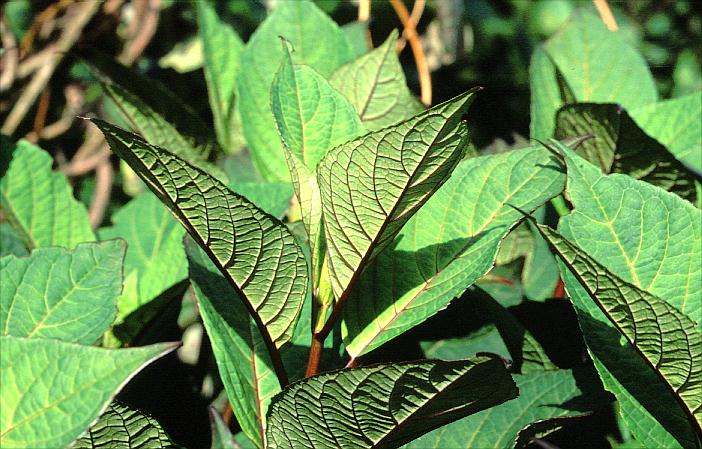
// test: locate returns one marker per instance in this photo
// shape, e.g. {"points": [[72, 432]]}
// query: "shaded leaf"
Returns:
{"points": [[52, 390], [10, 242], [385, 406], [256, 252], [375, 84], [271, 197], [221, 49], [372, 185], [121, 425], [41, 207], [65, 295], [222, 438], [242, 358], [320, 45], [448, 245]]}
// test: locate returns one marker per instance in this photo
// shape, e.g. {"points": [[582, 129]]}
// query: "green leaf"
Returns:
{"points": [[155, 258], [65, 295], [385, 406], [665, 338], [372, 185], [153, 110], [10, 242], [375, 84], [222, 438], [321, 46], [222, 48], [52, 391], [121, 425], [543, 395], [356, 33], [271, 197], [38, 202], [256, 252], [540, 273], [651, 239], [585, 62], [310, 115], [448, 245], [620, 146], [240, 351], [677, 124]]}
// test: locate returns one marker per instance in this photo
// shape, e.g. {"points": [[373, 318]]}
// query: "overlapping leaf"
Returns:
{"points": [[39, 203], [51, 390], [319, 44], [241, 354], [123, 426], [620, 146], [256, 252], [449, 244], [665, 337], [375, 84], [155, 259], [648, 238], [384, 406], [372, 185], [222, 437], [221, 48], [61, 294]]}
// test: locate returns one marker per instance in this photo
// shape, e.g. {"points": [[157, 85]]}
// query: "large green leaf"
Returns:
{"points": [[124, 426], [39, 203], [620, 146], [153, 110], [51, 390], [155, 259], [585, 62], [311, 118], [651, 239], [375, 85], [244, 364], [543, 395], [384, 406], [664, 337], [61, 294], [255, 251], [221, 51], [448, 245], [677, 124], [372, 185], [319, 44]]}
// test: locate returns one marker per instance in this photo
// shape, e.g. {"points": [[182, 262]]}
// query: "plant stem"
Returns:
{"points": [[315, 355], [606, 14], [560, 205]]}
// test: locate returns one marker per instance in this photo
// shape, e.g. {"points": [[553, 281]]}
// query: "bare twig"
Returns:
{"points": [[142, 30], [104, 175], [74, 102], [9, 58], [46, 16], [364, 8], [42, 111], [415, 16], [417, 51], [606, 14], [80, 14]]}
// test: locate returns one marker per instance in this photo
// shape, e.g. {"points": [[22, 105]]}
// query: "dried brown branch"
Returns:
{"points": [[415, 17], [10, 57], [104, 176], [74, 102], [417, 51], [78, 16], [606, 14], [142, 30]]}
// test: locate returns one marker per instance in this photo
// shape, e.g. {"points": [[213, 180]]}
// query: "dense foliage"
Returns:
{"points": [[319, 259]]}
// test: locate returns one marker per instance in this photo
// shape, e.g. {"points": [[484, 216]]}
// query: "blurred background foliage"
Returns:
{"points": [[466, 42]]}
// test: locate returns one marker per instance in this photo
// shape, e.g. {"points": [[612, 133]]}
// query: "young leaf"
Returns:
{"points": [[256, 252], [543, 395], [39, 203], [375, 85], [221, 48], [545, 95], [664, 337], [155, 259], [321, 46], [60, 294], [620, 146], [153, 110], [677, 124], [648, 238], [124, 426], [222, 437], [372, 185], [241, 354], [51, 390], [384, 406], [448, 245]]}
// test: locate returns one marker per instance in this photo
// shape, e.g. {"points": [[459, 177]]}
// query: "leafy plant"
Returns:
{"points": [[328, 216]]}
